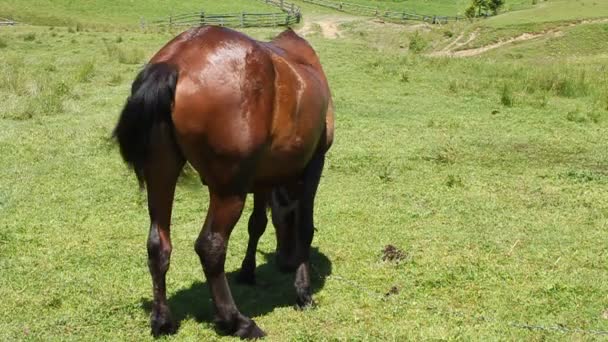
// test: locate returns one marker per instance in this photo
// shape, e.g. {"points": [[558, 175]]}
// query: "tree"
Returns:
{"points": [[470, 11], [495, 5], [481, 7]]}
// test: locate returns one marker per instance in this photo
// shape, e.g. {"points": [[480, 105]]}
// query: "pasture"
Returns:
{"points": [[489, 173]]}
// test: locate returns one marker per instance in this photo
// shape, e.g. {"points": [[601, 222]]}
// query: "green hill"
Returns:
{"points": [[116, 12]]}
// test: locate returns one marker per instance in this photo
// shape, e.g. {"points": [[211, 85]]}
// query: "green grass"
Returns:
{"points": [[552, 11], [500, 209], [550, 16], [431, 7], [573, 43], [111, 13]]}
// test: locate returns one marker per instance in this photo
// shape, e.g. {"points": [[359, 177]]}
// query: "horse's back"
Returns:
{"points": [[240, 104]]}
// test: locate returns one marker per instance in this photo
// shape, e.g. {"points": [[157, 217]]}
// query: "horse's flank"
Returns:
{"points": [[268, 103]]}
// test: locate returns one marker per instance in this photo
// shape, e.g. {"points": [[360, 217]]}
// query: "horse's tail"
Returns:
{"points": [[149, 105]]}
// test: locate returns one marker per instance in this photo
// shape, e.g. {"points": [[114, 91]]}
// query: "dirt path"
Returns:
{"points": [[451, 50], [329, 26]]}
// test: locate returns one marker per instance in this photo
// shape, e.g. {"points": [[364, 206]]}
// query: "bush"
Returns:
{"points": [[417, 43]]}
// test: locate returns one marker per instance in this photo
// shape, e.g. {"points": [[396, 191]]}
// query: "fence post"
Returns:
{"points": [[202, 18], [170, 21], [242, 19], [281, 5]]}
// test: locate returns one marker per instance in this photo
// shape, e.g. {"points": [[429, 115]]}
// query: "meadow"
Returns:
{"points": [[434, 7], [489, 173]]}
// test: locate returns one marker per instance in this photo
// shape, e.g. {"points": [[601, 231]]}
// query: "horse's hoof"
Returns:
{"points": [[246, 278], [249, 330], [240, 326], [161, 323], [304, 299]]}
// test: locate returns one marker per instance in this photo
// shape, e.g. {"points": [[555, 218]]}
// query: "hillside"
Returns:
{"points": [[116, 12]]}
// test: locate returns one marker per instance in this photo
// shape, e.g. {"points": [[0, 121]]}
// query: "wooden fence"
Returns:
{"points": [[7, 22], [290, 14], [384, 14]]}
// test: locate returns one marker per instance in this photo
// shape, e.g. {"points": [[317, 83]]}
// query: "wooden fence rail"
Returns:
{"points": [[290, 14], [7, 22], [384, 14]]}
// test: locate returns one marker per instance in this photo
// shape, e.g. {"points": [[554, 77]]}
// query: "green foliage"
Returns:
{"points": [[483, 7], [417, 43], [471, 11], [495, 5]]}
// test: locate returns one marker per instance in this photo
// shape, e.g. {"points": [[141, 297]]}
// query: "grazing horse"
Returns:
{"points": [[250, 117]]}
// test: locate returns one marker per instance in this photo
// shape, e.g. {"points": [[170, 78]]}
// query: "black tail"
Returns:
{"points": [[149, 105]]}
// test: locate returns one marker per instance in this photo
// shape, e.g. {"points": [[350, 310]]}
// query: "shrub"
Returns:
{"points": [[417, 43]]}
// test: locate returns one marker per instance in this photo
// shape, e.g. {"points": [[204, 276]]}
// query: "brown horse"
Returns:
{"points": [[250, 117]]}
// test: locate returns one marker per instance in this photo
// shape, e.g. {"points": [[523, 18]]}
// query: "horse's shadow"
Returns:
{"points": [[273, 289]]}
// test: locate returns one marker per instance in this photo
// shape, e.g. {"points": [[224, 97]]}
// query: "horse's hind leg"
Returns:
{"points": [[257, 226], [223, 213], [305, 230], [160, 175]]}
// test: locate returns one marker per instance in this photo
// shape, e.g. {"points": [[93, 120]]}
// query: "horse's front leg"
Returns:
{"points": [[224, 211]]}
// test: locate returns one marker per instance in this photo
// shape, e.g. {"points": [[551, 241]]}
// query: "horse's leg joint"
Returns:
{"points": [[211, 249]]}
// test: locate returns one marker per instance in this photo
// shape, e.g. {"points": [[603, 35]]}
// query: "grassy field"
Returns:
{"points": [[111, 13], [556, 15], [433, 7], [489, 173], [552, 11]]}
